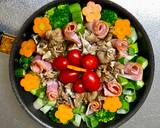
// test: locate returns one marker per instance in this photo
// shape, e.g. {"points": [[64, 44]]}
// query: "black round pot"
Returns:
{"points": [[145, 48]]}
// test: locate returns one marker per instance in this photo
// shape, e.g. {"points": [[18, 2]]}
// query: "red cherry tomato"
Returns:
{"points": [[90, 62], [75, 57], [60, 63], [91, 81], [78, 87], [68, 76]]}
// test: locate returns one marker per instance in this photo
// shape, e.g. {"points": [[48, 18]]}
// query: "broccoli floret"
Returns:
{"points": [[109, 16], [60, 17], [52, 116], [104, 116]]}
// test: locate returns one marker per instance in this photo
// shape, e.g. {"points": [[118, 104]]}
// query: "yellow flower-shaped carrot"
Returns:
{"points": [[122, 28], [27, 48], [41, 25], [92, 11], [112, 104], [30, 82], [64, 113]]}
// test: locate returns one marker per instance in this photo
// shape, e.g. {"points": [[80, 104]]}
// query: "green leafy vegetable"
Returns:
{"points": [[109, 16], [80, 28], [104, 116], [60, 17]]}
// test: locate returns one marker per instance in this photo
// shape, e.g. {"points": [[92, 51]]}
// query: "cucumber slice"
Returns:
{"points": [[130, 98], [139, 84], [75, 10], [80, 28], [133, 36], [77, 120], [20, 72], [122, 80], [38, 103], [129, 89], [135, 47], [124, 109], [141, 60], [48, 106]]}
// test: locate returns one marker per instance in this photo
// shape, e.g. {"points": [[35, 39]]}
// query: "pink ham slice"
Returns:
{"points": [[120, 45], [99, 28], [70, 33], [133, 71], [52, 89], [93, 107], [39, 65], [112, 88]]}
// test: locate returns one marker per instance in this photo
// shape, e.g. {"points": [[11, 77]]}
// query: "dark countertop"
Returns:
{"points": [[13, 13]]}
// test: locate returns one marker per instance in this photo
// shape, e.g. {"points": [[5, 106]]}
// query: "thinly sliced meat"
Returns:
{"points": [[39, 65], [120, 45], [52, 89], [133, 71], [99, 28], [93, 107], [70, 33], [112, 88]]}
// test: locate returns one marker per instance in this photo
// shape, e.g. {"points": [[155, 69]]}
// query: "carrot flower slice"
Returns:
{"points": [[41, 25], [27, 48], [92, 11], [64, 113], [30, 82], [122, 28], [112, 104]]}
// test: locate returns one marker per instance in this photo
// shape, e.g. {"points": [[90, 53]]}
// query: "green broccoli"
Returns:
{"points": [[52, 116], [104, 116], [59, 16], [109, 16]]}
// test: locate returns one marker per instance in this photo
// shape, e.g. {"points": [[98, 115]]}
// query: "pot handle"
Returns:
{"points": [[6, 42]]}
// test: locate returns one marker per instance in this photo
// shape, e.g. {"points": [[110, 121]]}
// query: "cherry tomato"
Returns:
{"points": [[78, 86], [68, 76], [60, 63], [91, 81], [75, 57], [90, 62]]}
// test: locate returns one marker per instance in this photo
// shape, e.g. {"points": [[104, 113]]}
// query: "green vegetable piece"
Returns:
{"points": [[134, 46], [104, 116], [25, 66], [79, 110], [133, 36], [124, 109], [109, 16], [75, 10], [131, 51], [130, 98], [141, 60], [50, 12], [48, 106], [39, 103], [80, 29], [60, 17], [129, 89], [20, 72], [77, 120], [25, 60], [122, 60], [52, 116], [123, 81], [40, 92], [139, 84]]}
